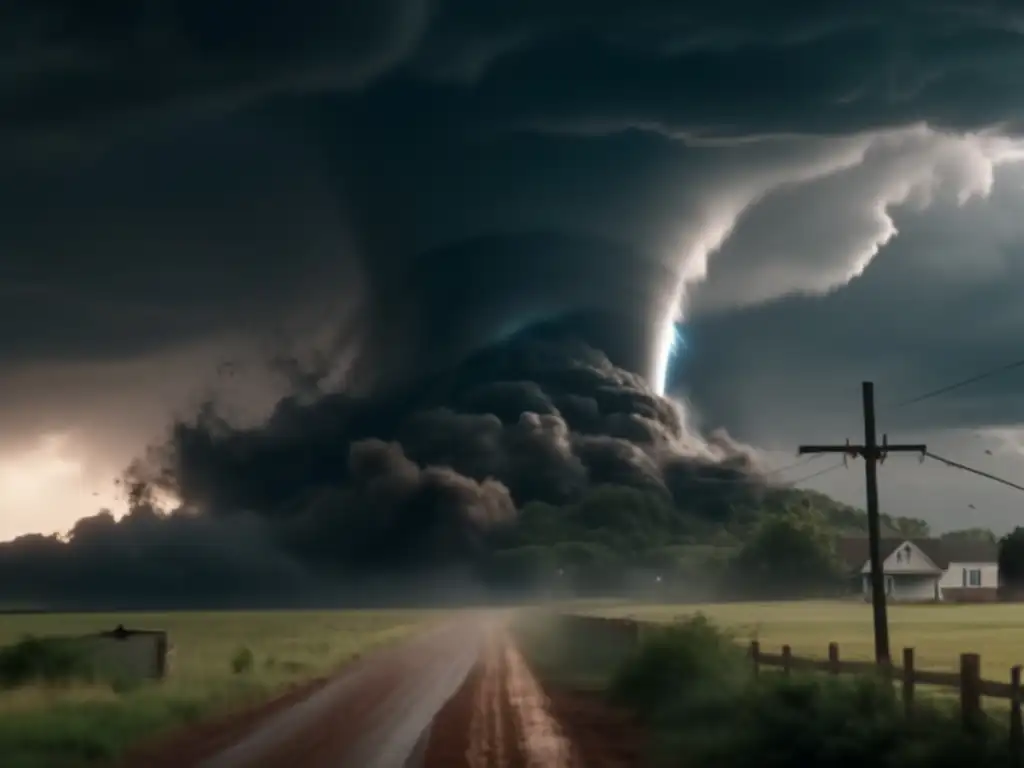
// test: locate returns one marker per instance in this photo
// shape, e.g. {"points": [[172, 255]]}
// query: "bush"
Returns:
{"points": [[38, 660], [809, 721], [243, 660], [693, 687], [675, 663]]}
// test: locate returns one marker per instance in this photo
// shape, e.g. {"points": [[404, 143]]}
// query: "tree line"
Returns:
{"points": [[780, 545]]}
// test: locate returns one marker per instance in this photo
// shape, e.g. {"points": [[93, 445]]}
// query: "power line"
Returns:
{"points": [[962, 383], [820, 472], [794, 465], [755, 476], [972, 470]]}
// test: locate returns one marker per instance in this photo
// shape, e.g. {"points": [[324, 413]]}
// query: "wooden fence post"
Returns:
{"points": [[787, 660], [755, 656], [970, 689], [1016, 729], [833, 658], [908, 681]]}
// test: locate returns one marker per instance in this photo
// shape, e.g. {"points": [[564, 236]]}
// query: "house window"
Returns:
{"points": [[972, 577]]}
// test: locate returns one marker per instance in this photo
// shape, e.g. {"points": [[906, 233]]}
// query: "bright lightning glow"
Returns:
{"points": [[25, 478], [663, 347], [44, 488], [671, 343], [678, 341]]}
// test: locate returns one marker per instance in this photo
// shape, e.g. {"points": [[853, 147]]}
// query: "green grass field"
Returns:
{"points": [[91, 724], [938, 633]]}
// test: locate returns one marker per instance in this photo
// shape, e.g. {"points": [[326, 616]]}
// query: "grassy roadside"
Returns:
{"points": [[560, 659], [220, 662], [938, 633], [692, 688]]}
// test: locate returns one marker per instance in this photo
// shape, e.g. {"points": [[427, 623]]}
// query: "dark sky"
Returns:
{"points": [[824, 192]]}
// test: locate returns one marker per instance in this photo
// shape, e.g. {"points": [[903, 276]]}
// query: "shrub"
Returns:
{"points": [[692, 685], [674, 663], [802, 721], [243, 660], [38, 660]]}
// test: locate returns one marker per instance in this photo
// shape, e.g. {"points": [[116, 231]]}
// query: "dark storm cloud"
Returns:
{"points": [[65, 63], [345, 487], [731, 68], [736, 68], [432, 184], [161, 243], [450, 300], [351, 147], [529, 412]]}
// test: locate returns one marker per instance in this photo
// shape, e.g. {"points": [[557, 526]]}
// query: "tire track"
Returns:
{"points": [[499, 718], [543, 743], [459, 696], [375, 714]]}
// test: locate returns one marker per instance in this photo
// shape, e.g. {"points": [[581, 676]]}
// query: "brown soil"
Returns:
{"points": [[189, 745], [326, 739], [318, 742], [502, 717], [449, 737], [604, 737], [477, 727]]}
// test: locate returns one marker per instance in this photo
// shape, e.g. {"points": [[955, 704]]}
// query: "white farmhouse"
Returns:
{"points": [[927, 570]]}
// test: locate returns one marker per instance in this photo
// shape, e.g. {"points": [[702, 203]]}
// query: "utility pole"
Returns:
{"points": [[873, 454]]}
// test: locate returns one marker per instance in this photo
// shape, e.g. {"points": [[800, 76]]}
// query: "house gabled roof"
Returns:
{"points": [[854, 551]]}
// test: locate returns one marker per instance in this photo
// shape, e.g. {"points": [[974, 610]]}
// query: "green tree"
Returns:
{"points": [[910, 527], [970, 534], [1011, 559], [787, 555]]}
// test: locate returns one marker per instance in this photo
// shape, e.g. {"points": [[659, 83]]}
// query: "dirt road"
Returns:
{"points": [[502, 717], [459, 696]]}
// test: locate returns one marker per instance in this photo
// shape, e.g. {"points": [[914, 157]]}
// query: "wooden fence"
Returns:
{"points": [[967, 681], [618, 635]]}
